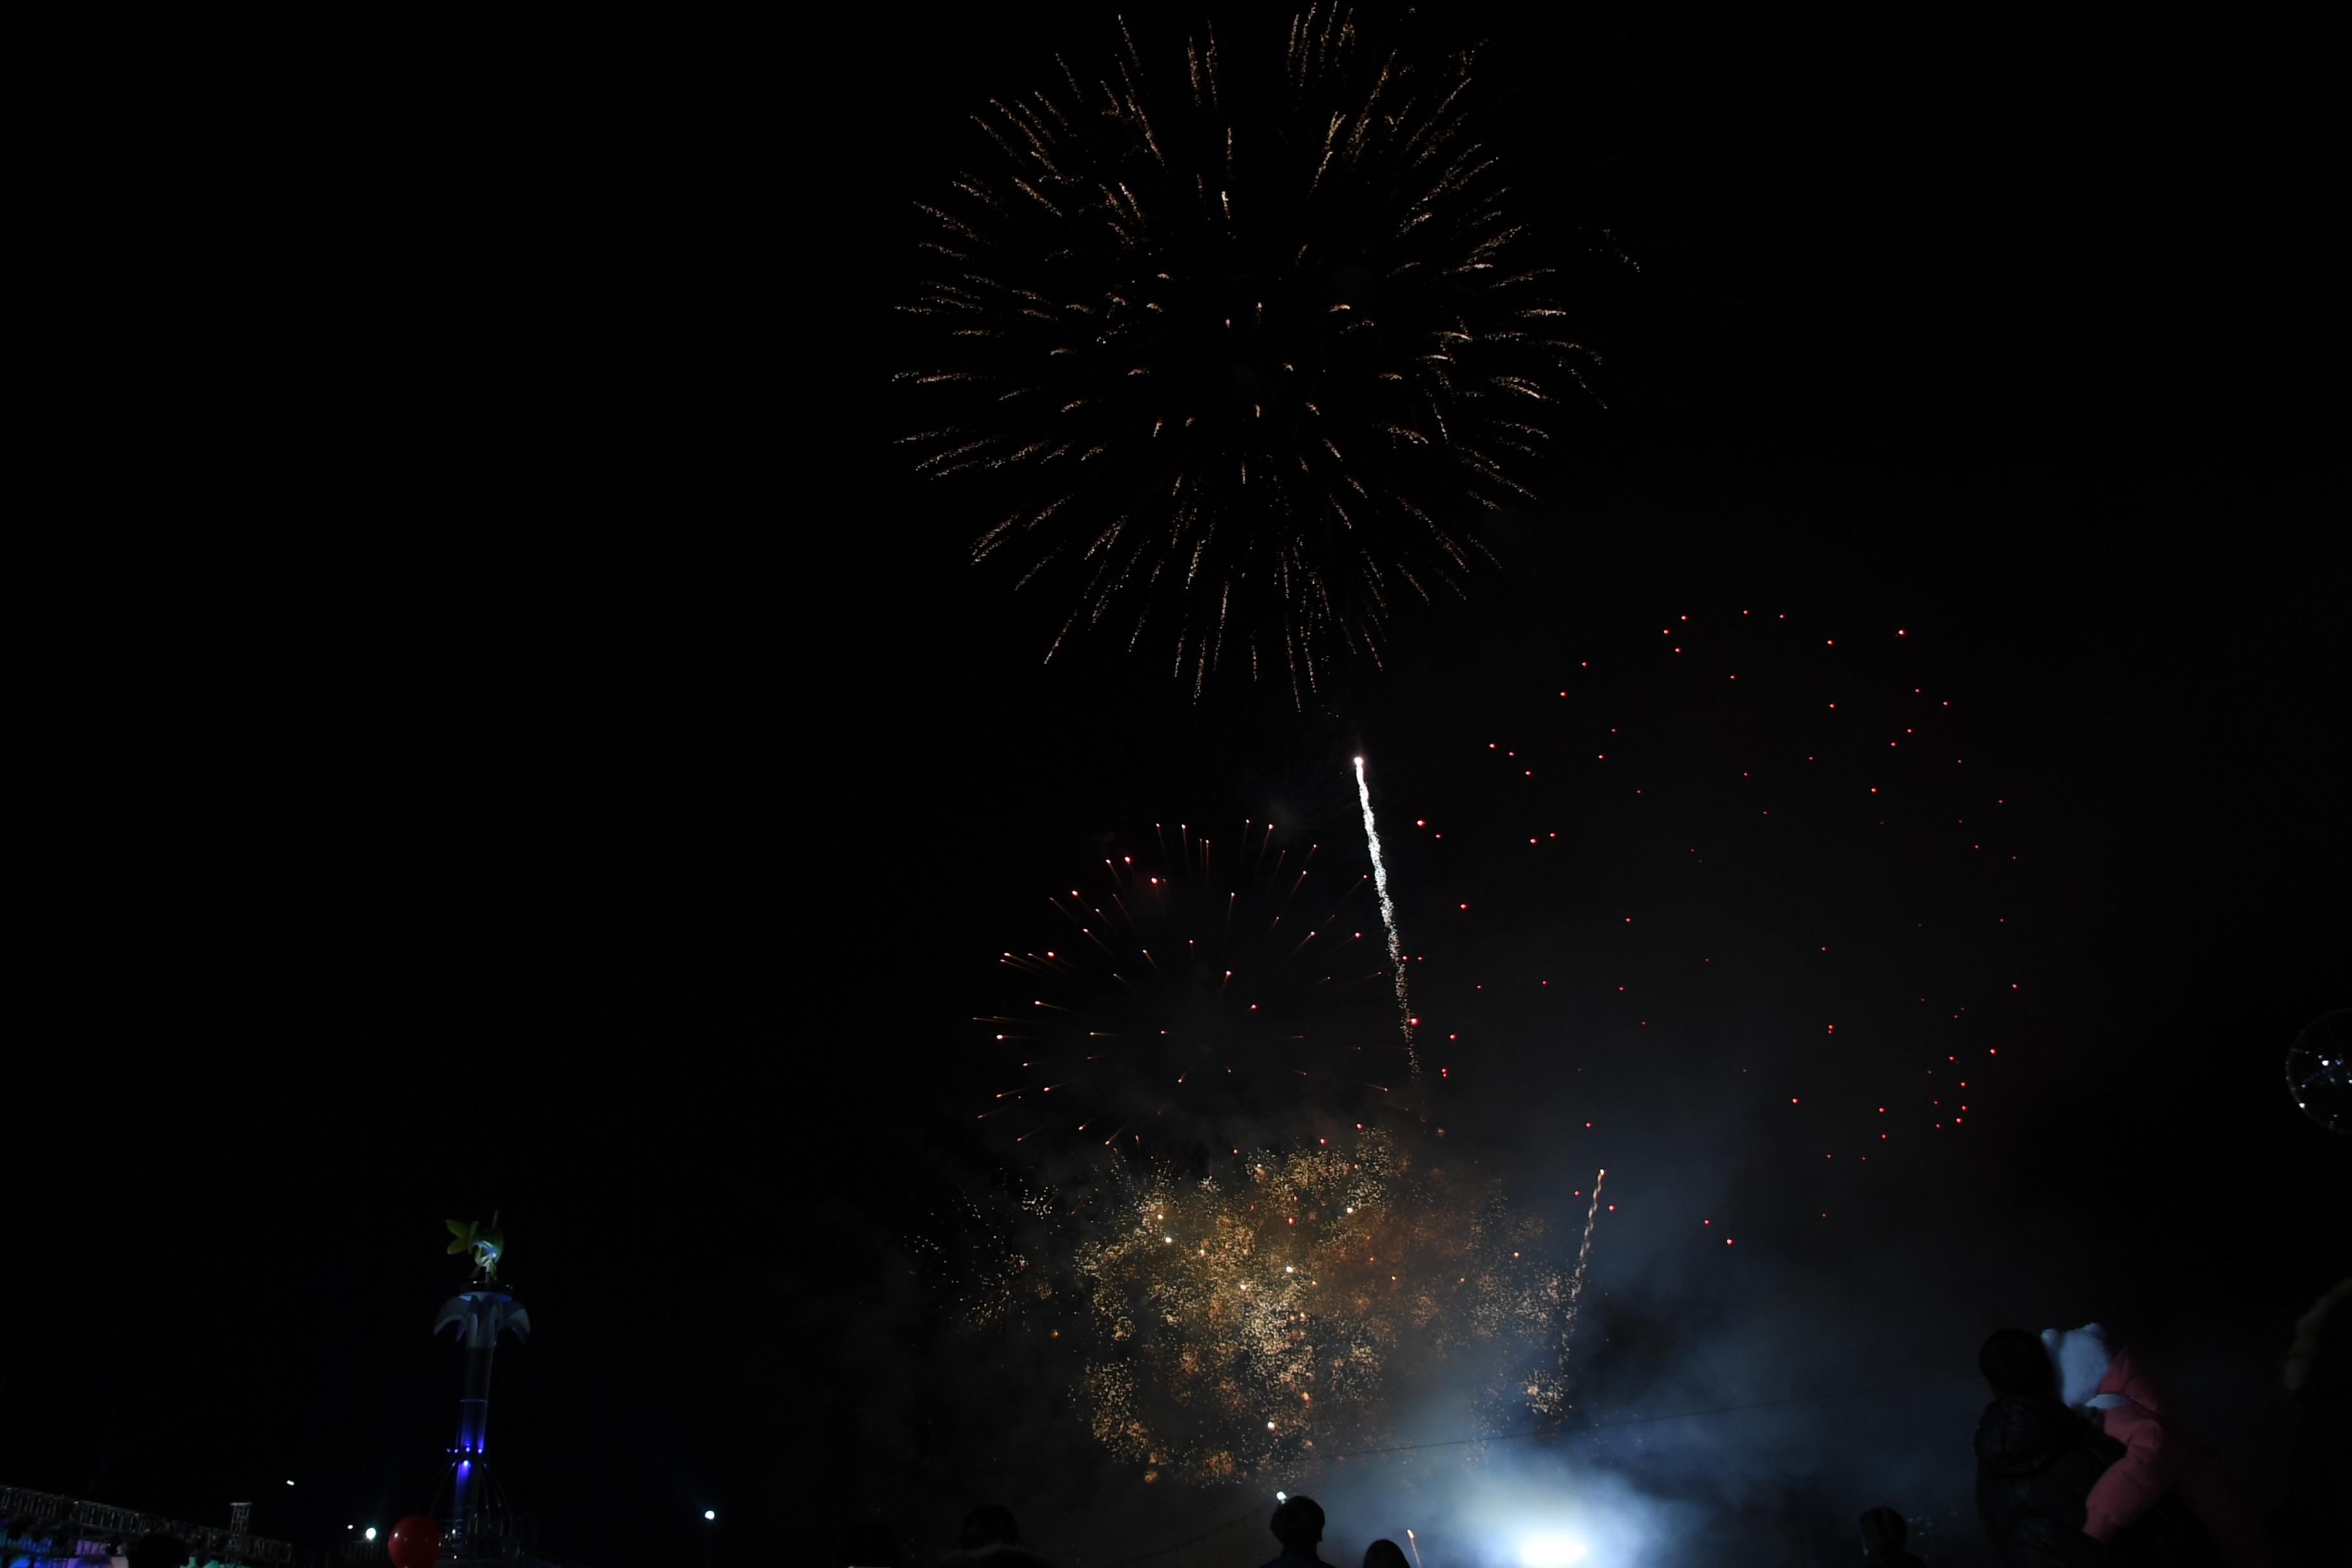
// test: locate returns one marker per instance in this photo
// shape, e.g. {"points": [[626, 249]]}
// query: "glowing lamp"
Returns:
{"points": [[1550, 1551]]}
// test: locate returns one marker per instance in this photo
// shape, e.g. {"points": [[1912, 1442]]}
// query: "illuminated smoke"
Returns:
{"points": [[1388, 918]]}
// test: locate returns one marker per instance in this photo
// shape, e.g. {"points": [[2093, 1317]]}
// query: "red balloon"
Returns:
{"points": [[415, 1543]]}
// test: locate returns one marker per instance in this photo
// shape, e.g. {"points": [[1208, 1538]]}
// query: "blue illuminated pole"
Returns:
{"points": [[479, 1316]]}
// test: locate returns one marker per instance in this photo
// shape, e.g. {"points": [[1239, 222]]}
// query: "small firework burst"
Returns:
{"points": [[1206, 997]]}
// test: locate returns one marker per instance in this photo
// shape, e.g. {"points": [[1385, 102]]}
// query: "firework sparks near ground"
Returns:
{"points": [[1214, 995], [1248, 1321], [1237, 350], [1243, 1269], [1388, 918]]}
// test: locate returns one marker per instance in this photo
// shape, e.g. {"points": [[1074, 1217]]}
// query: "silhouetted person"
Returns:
{"points": [[2036, 1464], [2035, 1460], [156, 1552], [989, 1539], [2160, 1458], [869, 1544], [1385, 1553], [1882, 1534], [1298, 1525], [2317, 1522]]}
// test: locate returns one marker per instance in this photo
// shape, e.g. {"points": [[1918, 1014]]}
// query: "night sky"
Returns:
{"points": [[507, 733]]}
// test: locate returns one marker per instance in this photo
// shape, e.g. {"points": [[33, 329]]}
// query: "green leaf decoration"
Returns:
{"points": [[488, 1245]]}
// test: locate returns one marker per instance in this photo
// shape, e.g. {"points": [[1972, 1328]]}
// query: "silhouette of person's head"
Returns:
{"points": [[2014, 1362], [1385, 1553], [989, 1524], [1298, 1525], [871, 1544], [1882, 1533], [156, 1552]]}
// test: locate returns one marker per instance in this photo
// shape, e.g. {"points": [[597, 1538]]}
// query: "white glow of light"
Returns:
{"points": [[1388, 918], [370, 1533], [1550, 1551], [711, 1513]]}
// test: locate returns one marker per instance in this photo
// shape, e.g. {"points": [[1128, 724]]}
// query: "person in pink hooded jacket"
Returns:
{"points": [[2135, 1410]]}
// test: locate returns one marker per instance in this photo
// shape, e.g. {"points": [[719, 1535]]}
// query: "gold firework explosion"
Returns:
{"points": [[1252, 1320]]}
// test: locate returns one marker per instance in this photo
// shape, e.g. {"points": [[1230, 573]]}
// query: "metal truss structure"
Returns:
{"points": [[47, 1512]]}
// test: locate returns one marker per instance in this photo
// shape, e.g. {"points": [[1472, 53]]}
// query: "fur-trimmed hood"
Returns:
{"points": [[2084, 1364]]}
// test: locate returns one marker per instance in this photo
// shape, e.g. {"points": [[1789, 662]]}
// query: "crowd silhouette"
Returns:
{"points": [[2083, 1460]]}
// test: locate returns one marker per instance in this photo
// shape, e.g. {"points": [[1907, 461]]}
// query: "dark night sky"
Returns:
{"points": [[506, 735]]}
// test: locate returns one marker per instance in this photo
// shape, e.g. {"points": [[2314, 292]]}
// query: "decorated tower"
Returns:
{"points": [[476, 1524]]}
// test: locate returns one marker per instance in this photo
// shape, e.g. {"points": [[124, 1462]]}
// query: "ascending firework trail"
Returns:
{"points": [[1388, 918], [1576, 1281], [1547, 1395]]}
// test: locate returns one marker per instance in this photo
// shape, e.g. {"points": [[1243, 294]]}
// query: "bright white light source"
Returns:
{"points": [[370, 1533], [711, 1513], [1550, 1551], [1282, 1497]]}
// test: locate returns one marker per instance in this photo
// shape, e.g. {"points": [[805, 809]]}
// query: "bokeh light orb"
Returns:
{"points": [[2319, 1070], [415, 1543]]}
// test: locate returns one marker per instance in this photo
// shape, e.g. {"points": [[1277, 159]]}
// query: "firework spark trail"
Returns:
{"points": [[1388, 918], [1576, 1281]]}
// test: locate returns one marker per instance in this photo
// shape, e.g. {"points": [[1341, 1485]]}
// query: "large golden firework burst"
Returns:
{"points": [[1281, 1314]]}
